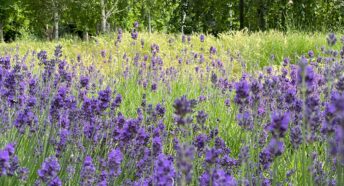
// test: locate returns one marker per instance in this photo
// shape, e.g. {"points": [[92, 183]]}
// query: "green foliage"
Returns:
{"points": [[12, 19], [189, 16], [86, 11]]}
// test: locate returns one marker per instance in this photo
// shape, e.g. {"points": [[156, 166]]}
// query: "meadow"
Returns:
{"points": [[263, 108]]}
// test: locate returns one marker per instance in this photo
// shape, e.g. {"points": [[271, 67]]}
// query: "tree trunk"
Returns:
{"points": [[149, 23], [56, 25], [241, 14], [1, 33], [47, 33], [108, 27], [86, 36], [103, 16], [183, 21]]}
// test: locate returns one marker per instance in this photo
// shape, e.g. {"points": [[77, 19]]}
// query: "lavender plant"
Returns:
{"points": [[193, 121]]}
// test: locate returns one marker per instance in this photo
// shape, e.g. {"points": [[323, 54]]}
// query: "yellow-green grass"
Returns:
{"points": [[255, 49]]}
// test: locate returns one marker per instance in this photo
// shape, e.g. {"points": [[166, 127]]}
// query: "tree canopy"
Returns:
{"points": [[51, 19]]}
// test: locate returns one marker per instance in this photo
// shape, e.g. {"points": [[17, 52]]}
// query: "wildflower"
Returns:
{"points": [[217, 177], [157, 145], [213, 78], [183, 38], [228, 102], [286, 61], [23, 174], [279, 124], [49, 170], [4, 161], [160, 110], [164, 172], [245, 120], [115, 158], [296, 136], [116, 102], [134, 34], [182, 107], [201, 117], [154, 87], [202, 37], [55, 182], [331, 39], [136, 24], [242, 89], [88, 171], [200, 141], [184, 159], [212, 50]]}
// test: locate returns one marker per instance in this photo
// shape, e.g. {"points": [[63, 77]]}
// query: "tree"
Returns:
{"points": [[51, 18], [152, 14], [108, 8], [84, 20], [13, 20], [45, 13], [284, 15], [261, 10], [241, 14], [5, 9], [147, 12]]}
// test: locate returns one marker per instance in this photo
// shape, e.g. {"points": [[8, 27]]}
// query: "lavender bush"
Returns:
{"points": [[193, 121]]}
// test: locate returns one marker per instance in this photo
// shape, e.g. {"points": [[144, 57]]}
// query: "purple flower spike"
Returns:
{"points": [[279, 124], [49, 170], [88, 171], [202, 37], [331, 39], [212, 50], [164, 172], [136, 24], [114, 162]]}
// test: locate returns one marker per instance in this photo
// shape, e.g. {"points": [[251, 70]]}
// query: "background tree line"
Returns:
{"points": [[51, 19]]}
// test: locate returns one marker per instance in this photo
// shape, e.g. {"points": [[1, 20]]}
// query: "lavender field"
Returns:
{"points": [[153, 110]]}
